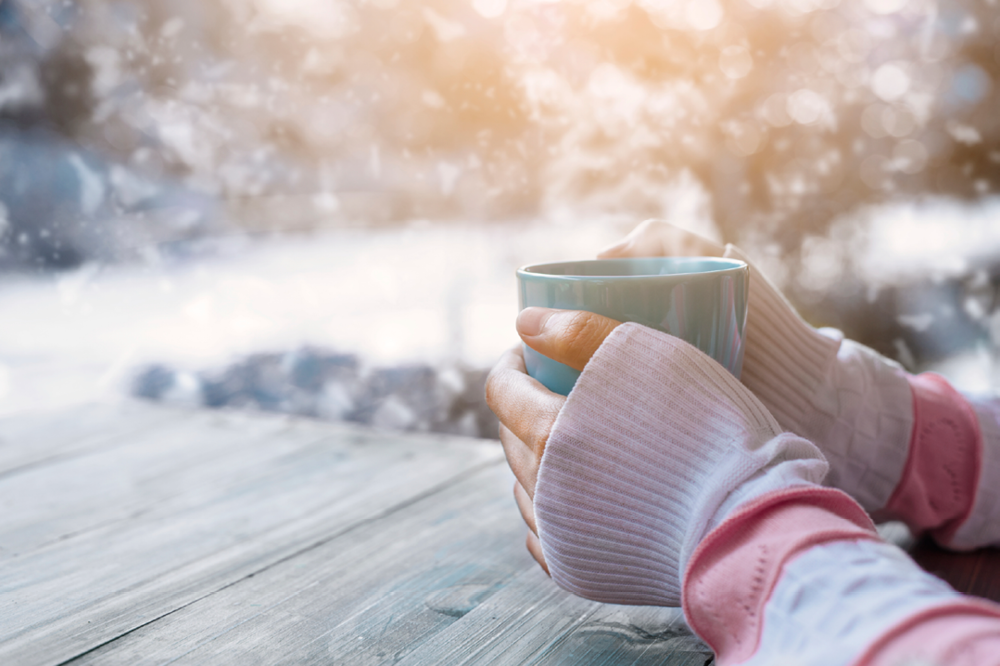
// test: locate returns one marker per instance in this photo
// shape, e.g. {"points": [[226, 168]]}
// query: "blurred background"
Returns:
{"points": [[316, 206]]}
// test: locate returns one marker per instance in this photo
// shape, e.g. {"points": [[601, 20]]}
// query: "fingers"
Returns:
{"points": [[525, 408], [528, 513], [535, 548], [526, 506], [656, 238], [522, 459], [568, 336]]}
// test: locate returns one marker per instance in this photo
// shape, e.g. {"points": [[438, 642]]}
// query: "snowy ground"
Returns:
{"points": [[425, 293]]}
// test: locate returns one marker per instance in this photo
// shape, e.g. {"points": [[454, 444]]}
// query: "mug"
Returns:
{"points": [[702, 300]]}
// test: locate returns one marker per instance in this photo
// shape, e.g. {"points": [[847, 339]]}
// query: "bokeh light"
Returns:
{"points": [[151, 130]]}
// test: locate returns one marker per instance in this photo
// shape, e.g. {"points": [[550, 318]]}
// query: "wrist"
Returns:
{"points": [[734, 571], [786, 361], [853, 403], [653, 447], [800, 576]]}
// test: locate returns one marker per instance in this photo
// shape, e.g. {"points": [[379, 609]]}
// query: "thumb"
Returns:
{"points": [[568, 336]]}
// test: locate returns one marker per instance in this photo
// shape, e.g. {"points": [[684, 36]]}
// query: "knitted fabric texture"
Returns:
{"points": [[853, 403], [965, 632], [982, 527], [836, 599], [734, 569], [650, 444], [939, 481]]}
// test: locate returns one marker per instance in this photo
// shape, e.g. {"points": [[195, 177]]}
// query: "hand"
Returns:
{"points": [[656, 238], [526, 409], [806, 378]]}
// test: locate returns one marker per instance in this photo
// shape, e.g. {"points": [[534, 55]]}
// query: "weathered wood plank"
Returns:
{"points": [[444, 580], [976, 573], [532, 622], [27, 440], [148, 472], [232, 502]]}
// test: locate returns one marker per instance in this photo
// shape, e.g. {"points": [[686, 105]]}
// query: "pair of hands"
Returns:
{"points": [[526, 409]]}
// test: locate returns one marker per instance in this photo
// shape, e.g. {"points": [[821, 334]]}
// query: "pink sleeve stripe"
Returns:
{"points": [[736, 566], [961, 633], [938, 485]]}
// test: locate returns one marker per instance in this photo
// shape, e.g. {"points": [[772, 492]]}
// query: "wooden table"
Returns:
{"points": [[132, 534]]}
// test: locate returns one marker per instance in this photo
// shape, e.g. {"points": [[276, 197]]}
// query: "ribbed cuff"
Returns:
{"points": [[735, 568], [982, 528], [651, 442], [938, 484], [853, 403], [785, 359]]}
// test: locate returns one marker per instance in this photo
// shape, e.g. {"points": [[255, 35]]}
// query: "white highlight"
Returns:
{"points": [[91, 185], [886, 6], [326, 19], [806, 106], [735, 61], [890, 82], [703, 14], [490, 8]]}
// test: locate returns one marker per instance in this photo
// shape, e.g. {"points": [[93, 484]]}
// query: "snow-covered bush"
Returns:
{"points": [[339, 387]]}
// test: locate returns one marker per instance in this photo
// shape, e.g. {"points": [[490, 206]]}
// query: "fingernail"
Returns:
{"points": [[531, 320]]}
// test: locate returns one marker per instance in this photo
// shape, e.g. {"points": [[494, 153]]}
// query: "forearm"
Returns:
{"points": [[981, 526], [663, 482], [905, 447], [654, 446], [801, 577]]}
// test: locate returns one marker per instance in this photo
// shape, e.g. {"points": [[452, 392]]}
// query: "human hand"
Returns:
{"points": [[656, 238], [802, 375], [526, 409], [656, 443]]}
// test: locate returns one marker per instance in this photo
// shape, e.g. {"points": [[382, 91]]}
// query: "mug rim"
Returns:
{"points": [[535, 270]]}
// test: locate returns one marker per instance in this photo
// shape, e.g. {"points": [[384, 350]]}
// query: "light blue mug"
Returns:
{"points": [[702, 300]]}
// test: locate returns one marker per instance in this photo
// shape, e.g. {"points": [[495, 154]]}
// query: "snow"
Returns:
{"points": [[930, 237], [426, 293]]}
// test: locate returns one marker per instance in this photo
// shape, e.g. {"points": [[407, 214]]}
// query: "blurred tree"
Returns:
{"points": [[790, 112], [413, 104]]}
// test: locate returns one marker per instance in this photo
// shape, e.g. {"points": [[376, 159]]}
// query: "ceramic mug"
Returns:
{"points": [[702, 300]]}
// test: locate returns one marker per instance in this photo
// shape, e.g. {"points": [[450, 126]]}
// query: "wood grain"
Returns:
{"points": [[139, 530], [444, 580], [32, 439], [976, 573], [139, 535]]}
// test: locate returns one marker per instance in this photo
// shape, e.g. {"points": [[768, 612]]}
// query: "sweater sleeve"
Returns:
{"points": [[654, 445], [981, 524], [665, 481], [798, 577], [906, 447]]}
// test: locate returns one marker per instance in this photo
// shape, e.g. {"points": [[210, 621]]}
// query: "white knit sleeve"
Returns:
{"points": [[655, 444], [982, 527], [853, 403]]}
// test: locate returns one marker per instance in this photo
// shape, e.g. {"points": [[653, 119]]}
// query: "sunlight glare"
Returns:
{"points": [[490, 8], [886, 6], [324, 18], [890, 81], [703, 14], [735, 61]]}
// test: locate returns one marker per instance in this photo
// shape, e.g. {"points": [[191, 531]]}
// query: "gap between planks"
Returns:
{"points": [[445, 579], [61, 599]]}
